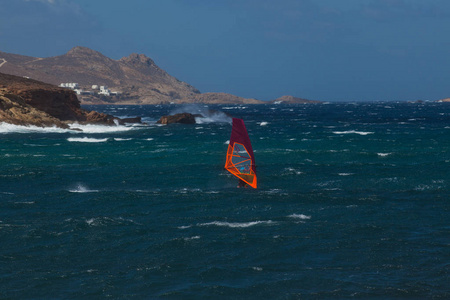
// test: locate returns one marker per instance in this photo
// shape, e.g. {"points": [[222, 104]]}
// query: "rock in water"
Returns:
{"points": [[183, 118]]}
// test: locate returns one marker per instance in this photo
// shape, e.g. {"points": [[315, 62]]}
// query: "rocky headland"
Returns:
{"points": [[29, 102], [292, 100]]}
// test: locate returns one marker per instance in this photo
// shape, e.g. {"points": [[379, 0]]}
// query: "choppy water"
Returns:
{"points": [[353, 202]]}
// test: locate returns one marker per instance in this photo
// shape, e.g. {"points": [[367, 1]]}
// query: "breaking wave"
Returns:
{"points": [[10, 128], [203, 114], [73, 128], [80, 188], [237, 225], [300, 216], [87, 140], [353, 132], [91, 128]]}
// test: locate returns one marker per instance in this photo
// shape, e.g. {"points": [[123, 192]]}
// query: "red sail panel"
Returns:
{"points": [[240, 158]]}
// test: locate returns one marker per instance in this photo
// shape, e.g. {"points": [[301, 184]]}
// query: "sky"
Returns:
{"points": [[327, 50]]}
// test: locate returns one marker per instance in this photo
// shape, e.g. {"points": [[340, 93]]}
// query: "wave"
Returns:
{"points": [[291, 171], [353, 132], [80, 188], [105, 221], [237, 225], [383, 154], [263, 123], [87, 140], [91, 128], [196, 237], [300, 216], [10, 128], [73, 128], [204, 114]]}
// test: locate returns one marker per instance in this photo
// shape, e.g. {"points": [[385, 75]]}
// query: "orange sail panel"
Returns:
{"points": [[240, 159]]}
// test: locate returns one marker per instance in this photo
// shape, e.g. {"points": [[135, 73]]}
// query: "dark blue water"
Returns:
{"points": [[352, 202]]}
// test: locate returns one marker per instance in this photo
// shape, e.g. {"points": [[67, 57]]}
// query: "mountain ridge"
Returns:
{"points": [[136, 77]]}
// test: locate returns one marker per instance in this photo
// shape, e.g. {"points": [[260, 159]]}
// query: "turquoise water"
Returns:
{"points": [[352, 202]]}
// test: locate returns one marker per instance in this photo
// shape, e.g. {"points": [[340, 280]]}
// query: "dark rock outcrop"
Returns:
{"points": [[293, 100], [183, 118]]}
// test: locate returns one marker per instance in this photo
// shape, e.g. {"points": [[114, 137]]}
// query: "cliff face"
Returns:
{"points": [[14, 110], [25, 101]]}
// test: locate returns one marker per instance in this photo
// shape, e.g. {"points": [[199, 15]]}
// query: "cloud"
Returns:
{"points": [[42, 27]]}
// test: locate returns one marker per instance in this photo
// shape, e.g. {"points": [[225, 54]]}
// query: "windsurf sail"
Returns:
{"points": [[240, 159]]}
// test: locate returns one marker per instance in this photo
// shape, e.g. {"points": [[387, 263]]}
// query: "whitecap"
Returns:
{"points": [[122, 139], [192, 238], [91, 128], [353, 132], [104, 221], [300, 216], [185, 227], [263, 123], [292, 171], [10, 128], [87, 140], [383, 154], [345, 174], [80, 188], [186, 190], [236, 225]]}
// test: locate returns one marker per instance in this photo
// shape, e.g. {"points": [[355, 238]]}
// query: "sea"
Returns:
{"points": [[353, 202]]}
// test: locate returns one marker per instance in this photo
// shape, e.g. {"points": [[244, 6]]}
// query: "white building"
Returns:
{"points": [[70, 85], [104, 90], [82, 92]]}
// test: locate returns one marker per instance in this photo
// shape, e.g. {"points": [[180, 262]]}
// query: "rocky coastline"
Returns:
{"points": [[25, 101]]}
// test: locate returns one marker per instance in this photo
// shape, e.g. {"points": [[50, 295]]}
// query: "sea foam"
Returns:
{"points": [[87, 140], [237, 225], [80, 188], [353, 132], [10, 128], [91, 128], [300, 216]]}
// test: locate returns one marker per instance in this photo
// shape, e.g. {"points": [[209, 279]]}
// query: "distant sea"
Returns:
{"points": [[353, 202]]}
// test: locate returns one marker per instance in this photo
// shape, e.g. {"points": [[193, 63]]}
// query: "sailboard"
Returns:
{"points": [[240, 158]]}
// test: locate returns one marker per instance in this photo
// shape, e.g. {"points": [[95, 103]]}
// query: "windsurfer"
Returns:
{"points": [[242, 183]]}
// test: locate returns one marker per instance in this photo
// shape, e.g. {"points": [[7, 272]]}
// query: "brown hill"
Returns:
{"points": [[136, 77], [30, 102]]}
